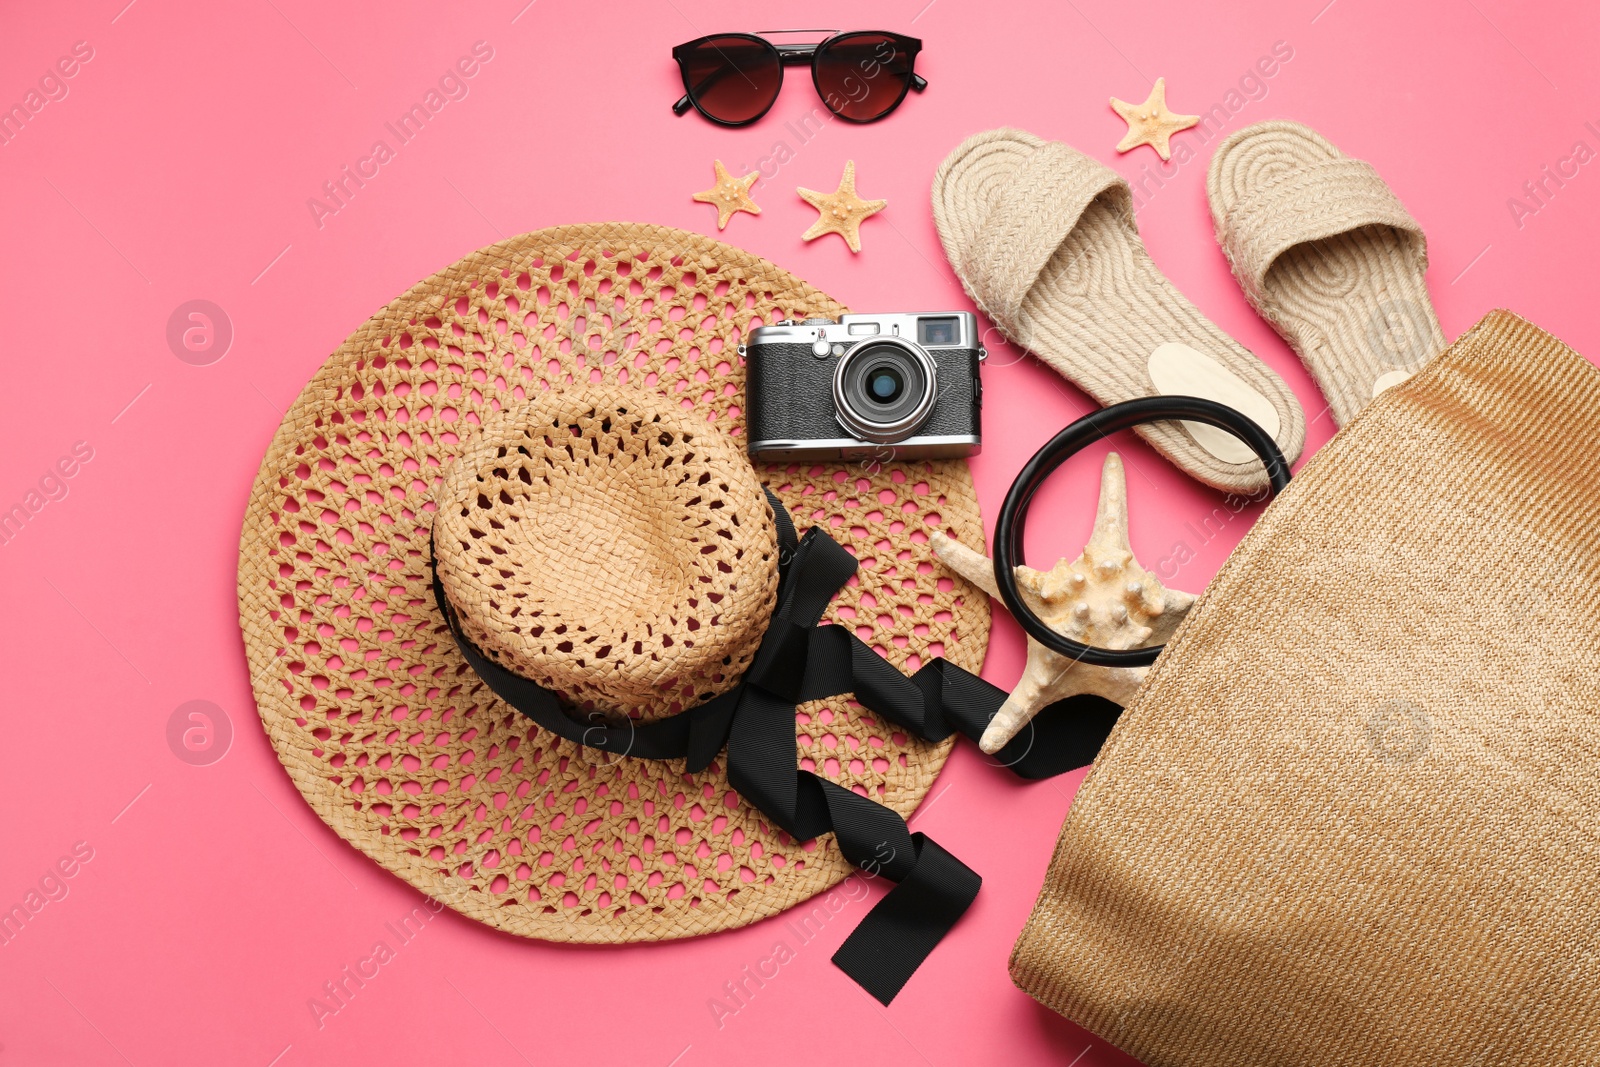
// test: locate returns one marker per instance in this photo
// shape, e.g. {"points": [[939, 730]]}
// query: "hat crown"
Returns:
{"points": [[605, 544]]}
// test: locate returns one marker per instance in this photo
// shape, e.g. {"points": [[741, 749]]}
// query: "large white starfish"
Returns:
{"points": [[1103, 598]]}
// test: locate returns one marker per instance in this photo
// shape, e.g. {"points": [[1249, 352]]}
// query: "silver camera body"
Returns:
{"points": [[865, 387]]}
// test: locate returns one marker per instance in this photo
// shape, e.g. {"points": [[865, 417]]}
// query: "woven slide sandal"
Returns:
{"points": [[1043, 240], [1328, 255]]}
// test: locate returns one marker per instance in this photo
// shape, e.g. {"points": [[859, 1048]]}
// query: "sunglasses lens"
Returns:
{"points": [[863, 76], [732, 79]]}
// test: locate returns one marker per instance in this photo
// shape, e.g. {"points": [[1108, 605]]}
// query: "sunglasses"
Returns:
{"points": [[733, 78]]}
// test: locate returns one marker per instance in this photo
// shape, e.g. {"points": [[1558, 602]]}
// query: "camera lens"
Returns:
{"points": [[884, 390], [884, 384]]}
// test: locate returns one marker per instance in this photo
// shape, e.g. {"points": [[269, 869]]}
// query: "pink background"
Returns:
{"points": [[178, 166]]}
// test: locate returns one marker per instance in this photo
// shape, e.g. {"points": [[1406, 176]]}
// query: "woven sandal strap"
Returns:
{"points": [[1313, 203], [1039, 207]]}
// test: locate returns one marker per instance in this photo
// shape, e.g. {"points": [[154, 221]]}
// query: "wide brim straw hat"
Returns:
{"points": [[371, 707]]}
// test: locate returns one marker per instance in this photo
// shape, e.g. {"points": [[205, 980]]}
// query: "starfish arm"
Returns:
{"points": [[1014, 714], [1117, 684], [1046, 679], [1049, 678], [818, 228], [974, 566], [1170, 128], [711, 199], [1175, 605], [1163, 626], [1111, 515], [1025, 700], [723, 214], [873, 207], [1029, 579]]}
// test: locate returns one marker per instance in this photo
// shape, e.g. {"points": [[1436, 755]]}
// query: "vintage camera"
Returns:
{"points": [[864, 387]]}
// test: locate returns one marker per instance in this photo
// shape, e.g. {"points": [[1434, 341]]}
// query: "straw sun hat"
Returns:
{"points": [[541, 446]]}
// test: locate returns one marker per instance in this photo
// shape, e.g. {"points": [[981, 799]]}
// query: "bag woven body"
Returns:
{"points": [[1369, 832]]}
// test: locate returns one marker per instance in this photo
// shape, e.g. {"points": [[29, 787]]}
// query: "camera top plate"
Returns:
{"points": [[936, 329]]}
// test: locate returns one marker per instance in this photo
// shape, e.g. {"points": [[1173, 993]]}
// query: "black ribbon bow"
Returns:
{"points": [[799, 661]]}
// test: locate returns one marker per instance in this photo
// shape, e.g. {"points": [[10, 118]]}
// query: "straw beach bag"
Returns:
{"points": [[1353, 815]]}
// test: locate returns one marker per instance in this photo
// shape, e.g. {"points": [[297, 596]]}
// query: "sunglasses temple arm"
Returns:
{"points": [[682, 106], [918, 82]]}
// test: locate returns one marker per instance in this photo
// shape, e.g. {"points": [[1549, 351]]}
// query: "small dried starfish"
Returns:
{"points": [[841, 210], [1103, 598], [730, 194], [1150, 122]]}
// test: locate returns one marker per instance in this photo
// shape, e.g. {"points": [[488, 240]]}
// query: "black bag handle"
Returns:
{"points": [[1093, 427]]}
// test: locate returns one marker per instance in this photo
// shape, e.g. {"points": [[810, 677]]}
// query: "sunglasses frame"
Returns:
{"points": [[794, 55]]}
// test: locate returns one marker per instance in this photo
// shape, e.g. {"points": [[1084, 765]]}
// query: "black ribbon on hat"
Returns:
{"points": [[798, 661]]}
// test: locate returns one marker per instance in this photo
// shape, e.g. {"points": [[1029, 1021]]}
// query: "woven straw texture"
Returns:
{"points": [[1368, 835], [404, 752], [610, 546], [1044, 241], [1328, 255]]}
